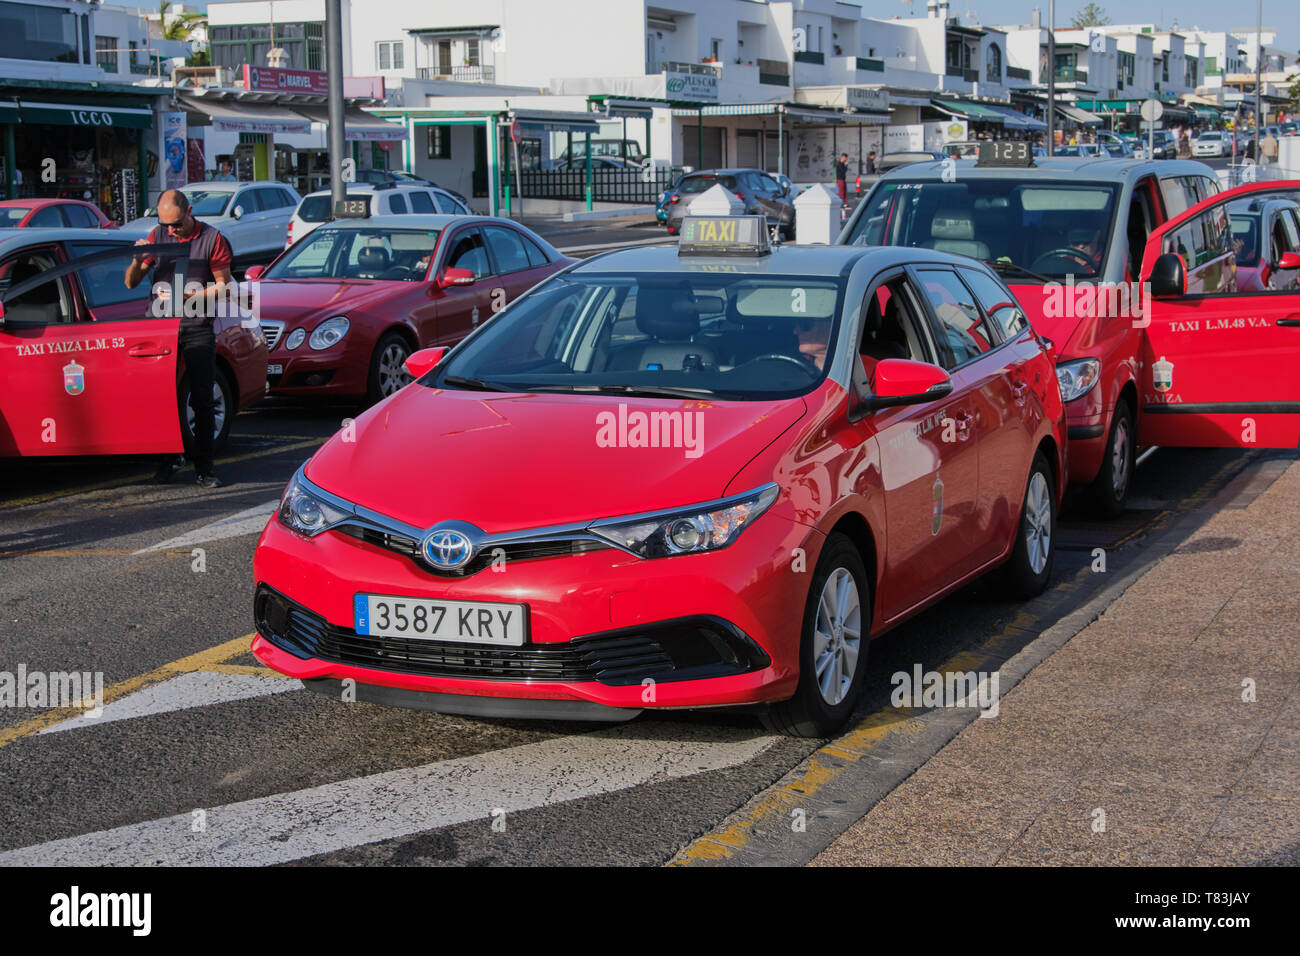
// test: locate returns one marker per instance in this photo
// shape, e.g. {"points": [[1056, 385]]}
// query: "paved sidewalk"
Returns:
{"points": [[1139, 716]]}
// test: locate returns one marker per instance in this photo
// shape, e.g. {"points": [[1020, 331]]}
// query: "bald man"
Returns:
{"points": [[209, 263]]}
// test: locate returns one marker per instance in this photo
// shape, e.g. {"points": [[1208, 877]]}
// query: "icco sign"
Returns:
{"points": [[91, 117]]}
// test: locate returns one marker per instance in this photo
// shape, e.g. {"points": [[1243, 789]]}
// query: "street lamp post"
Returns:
{"points": [[1051, 78], [1259, 48], [334, 66]]}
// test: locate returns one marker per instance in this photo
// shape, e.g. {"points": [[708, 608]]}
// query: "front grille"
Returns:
{"points": [[498, 555], [684, 649], [272, 330]]}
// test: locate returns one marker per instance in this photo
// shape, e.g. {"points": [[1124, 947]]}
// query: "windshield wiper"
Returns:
{"points": [[1006, 265], [653, 391], [476, 384]]}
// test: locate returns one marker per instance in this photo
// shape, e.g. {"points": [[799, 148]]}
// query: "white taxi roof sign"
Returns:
{"points": [[724, 236]]}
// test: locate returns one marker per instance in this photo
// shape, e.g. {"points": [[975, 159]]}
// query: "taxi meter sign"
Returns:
{"points": [[724, 236]]}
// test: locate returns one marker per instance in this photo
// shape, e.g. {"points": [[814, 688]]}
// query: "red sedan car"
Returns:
{"points": [[52, 213], [346, 306], [88, 367], [664, 480]]}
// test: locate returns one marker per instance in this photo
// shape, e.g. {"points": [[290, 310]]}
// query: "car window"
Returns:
{"points": [[365, 252], [998, 303], [101, 283], [468, 252], [46, 217], [1291, 223], [1205, 242], [507, 249], [1179, 195], [961, 326], [397, 204], [79, 217], [13, 215], [449, 205], [286, 199], [421, 201], [535, 255], [249, 200], [48, 303]]}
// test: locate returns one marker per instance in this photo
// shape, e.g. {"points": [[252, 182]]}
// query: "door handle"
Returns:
{"points": [[1291, 321], [148, 350], [1018, 390]]}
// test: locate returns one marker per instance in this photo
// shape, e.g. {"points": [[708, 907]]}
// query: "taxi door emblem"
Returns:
{"points": [[74, 378], [473, 316], [1162, 374], [936, 511]]}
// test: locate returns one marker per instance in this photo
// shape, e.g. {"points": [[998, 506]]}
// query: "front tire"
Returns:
{"points": [[832, 647], [387, 367], [1027, 572], [1108, 493]]}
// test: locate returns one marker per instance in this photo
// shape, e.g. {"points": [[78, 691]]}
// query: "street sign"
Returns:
{"points": [[515, 133], [1152, 110]]}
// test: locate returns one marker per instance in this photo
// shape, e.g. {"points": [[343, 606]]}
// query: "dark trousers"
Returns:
{"points": [[198, 347]]}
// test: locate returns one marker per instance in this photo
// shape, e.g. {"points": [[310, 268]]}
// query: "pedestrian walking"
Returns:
{"points": [[841, 178], [209, 264]]}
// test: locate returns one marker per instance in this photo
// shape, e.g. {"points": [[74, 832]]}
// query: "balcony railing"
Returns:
{"points": [[1018, 73], [1070, 74], [462, 74], [808, 56], [681, 66], [952, 70], [773, 79], [871, 63]]}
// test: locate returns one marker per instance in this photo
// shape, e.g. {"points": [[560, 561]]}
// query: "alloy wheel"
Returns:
{"points": [[1038, 522], [837, 636]]}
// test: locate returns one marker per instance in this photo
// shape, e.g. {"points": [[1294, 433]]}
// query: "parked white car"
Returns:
{"points": [[386, 199], [1210, 143], [251, 215]]}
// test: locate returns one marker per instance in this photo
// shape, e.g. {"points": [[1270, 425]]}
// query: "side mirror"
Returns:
{"points": [[253, 273], [1289, 260], [451, 277], [905, 382], [2, 315], [237, 212], [417, 364], [1168, 277]]}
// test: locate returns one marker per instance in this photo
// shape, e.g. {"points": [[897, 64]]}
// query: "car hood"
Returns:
{"points": [[512, 462], [292, 301], [1049, 313]]}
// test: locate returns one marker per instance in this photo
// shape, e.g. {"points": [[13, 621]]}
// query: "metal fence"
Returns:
{"points": [[637, 186]]}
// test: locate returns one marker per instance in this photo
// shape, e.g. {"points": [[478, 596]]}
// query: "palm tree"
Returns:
{"points": [[182, 25]]}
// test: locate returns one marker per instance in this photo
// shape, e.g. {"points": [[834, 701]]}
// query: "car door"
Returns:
{"points": [[1217, 364], [930, 486], [988, 407], [77, 383], [462, 308]]}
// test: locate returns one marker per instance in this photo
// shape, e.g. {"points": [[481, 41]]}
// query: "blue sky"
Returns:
{"points": [[1206, 14]]}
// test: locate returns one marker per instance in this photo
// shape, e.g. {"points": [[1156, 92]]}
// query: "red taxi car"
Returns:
{"points": [[77, 348], [1070, 234], [52, 214], [671, 478], [344, 307]]}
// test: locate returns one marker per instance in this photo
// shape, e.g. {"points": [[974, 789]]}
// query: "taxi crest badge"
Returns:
{"points": [[1162, 374], [936, 511], [74, 378]]}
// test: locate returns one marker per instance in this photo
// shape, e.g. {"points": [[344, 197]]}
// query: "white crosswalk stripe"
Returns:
{"points": [[350, 813]]}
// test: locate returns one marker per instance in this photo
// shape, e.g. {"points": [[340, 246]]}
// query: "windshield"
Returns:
{"points": [[698, 184], [1054, 229], [376, 253], [729, 336], [203, 202]]}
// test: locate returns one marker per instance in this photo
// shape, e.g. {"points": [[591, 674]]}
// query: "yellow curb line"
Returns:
{"points": [[203, 660]]}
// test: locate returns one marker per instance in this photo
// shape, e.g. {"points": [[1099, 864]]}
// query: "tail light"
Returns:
{"points": [[740, 195], [673, 201], [288, 235]]}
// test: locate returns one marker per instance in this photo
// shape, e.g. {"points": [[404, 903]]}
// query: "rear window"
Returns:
{"points": [[319, 208], [698, 184]]}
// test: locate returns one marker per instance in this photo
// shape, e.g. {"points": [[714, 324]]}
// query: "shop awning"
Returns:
{"points": [[358, 125], [729, 109], [1018, 120], [974, 112], [1076, 115], [541, 121], [9, 111], [1205, 112], [230, 117], [83, 114]]}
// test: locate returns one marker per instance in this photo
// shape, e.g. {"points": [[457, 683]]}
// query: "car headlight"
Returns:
{"points": [[705, 527], [307, 513], [295, 338], [1077, 378], [329, 333]]}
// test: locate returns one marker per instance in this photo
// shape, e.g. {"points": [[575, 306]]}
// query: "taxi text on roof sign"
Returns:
{"points": [[723, 236]]}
